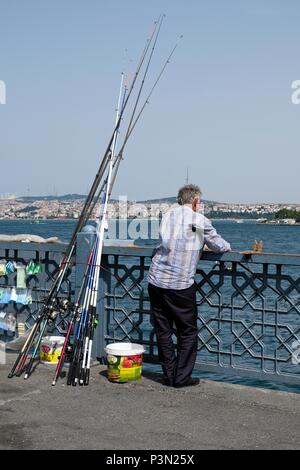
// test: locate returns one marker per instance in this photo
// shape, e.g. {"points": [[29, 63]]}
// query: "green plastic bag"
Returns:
{"points": [[33, 268]]}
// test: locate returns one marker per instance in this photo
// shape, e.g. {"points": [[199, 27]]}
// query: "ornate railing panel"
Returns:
{"points": [[248, 311], [248, 306], [48, 256]]}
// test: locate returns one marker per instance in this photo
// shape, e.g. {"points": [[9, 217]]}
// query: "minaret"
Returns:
{"points": [[187, 175]]}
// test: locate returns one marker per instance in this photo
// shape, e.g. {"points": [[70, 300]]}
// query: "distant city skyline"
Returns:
{"points": [[71, 206], [226, 107], [11, 196]]}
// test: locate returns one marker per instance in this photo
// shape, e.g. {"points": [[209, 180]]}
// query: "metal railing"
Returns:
{"points": [[48, 255], [248, 311], [248, 306]]}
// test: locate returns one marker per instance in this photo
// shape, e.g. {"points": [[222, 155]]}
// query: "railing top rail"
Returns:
{"points": [[233, 256], [31, 246], [130, 249]]}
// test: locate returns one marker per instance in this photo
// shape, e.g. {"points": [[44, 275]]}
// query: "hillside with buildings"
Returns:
{"points": [[69, 206]]}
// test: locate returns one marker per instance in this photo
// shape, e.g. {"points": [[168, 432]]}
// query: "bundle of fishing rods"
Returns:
{"points": [[78, 341]]}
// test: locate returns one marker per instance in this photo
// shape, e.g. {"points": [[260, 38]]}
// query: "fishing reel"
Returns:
{"points": [[58, 307], [68, 353], [78, 313], [227, 266]]}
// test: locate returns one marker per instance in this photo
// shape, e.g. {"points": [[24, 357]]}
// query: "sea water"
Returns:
{"points": [[276, 239]]}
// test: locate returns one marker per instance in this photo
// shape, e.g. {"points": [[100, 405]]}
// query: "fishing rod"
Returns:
{"points": [[76, 312], [85, 369], [84, 328], [83, 332], [143, 80], [85, 366], [97, 198], [132, 124], [108, 152], [77, 344], [49, 306], [75, 317], [88, 319], [29, 367], [86, 361], [76, 308], [113, 151], [125, 103], [44, 323], [159, 25]]}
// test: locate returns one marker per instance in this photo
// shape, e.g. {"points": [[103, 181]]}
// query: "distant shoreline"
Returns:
{"points": [[213, 219], [37, 221], [43, 221]]}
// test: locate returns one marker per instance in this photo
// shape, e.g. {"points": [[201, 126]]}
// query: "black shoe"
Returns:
{"points": [[188, 383], [168, 382]]}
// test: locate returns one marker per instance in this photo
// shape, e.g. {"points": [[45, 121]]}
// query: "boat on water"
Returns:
{"points": [[280, 222], [261, 221]]}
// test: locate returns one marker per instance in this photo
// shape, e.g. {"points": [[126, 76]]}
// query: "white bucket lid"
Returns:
{"points": [[53, 339], [124, 349]]}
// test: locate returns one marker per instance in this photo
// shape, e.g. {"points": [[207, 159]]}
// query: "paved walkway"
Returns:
{"points": [[142, 415]]}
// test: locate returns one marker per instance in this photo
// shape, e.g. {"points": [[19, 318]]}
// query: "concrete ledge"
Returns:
{"points": [[142, 415]]}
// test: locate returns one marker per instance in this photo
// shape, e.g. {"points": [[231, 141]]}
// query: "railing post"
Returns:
{"points": [[84, 245], [100, 333], [85, 242]]}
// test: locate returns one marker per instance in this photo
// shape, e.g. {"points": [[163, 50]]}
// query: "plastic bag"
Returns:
{"points": [[33, 268]]}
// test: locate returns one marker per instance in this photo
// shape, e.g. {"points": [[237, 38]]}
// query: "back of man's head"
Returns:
{"points": [[188, 193]]}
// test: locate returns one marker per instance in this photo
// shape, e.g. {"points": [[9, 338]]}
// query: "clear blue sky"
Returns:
{"points": [[223, 107]]}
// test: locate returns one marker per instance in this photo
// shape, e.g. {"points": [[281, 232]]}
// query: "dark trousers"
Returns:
{"points": [[171, 307]]}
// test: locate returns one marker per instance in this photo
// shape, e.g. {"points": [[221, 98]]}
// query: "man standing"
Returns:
{"points": [[183, 234]]}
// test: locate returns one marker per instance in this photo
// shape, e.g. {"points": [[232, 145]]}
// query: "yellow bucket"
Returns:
{"points": [[51, 347], [124, 362]]}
